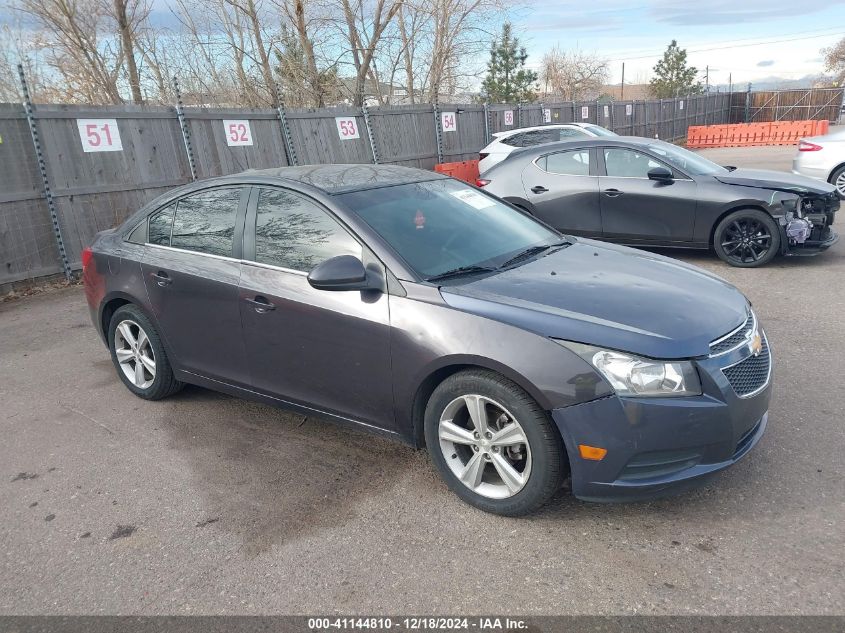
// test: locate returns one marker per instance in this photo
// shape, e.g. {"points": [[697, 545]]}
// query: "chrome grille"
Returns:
{"points": [[751, 375], [735, 338]]}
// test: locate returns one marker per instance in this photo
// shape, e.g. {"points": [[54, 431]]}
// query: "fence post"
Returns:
{"points": [[748, 104], [486, 122], [186, 133], [645, 118], [286, 135], [675, 118], [437, 132], [370, 136], [519, 114], [42, 168], [706, 103]]}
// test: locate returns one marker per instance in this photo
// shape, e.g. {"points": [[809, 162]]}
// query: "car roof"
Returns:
{"points": [[334, 179], [507, 133]]}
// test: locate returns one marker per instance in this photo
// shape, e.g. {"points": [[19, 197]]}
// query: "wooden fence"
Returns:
{"points": [[94, 190], [807, 104]]}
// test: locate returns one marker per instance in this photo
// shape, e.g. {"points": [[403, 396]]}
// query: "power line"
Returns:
{"points": [[719, 48]]}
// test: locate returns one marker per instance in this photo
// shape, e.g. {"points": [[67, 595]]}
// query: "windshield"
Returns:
{"points": [[685, 160], [599, 131], [444, 225]]}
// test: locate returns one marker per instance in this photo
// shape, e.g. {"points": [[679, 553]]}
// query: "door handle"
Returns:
{"points": [[162, 278], [612, 193], [539, 189], [260, 304]]}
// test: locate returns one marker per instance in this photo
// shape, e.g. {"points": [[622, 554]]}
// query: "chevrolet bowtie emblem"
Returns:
{"points": [[756, 344]]}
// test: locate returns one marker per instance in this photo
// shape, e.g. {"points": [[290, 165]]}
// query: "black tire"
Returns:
{"points": [[747, 238], [164, 382], [547, 454], [836, 175]]}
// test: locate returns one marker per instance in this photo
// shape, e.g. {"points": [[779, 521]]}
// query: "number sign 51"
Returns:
{"points": [[238, 132], [99, 135]]}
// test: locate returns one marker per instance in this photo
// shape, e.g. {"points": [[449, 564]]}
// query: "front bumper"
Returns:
{"points": [[811, 247], [657, 446]]}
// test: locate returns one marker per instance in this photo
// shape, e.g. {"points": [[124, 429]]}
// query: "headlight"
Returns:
{"points": [[631, 375]]}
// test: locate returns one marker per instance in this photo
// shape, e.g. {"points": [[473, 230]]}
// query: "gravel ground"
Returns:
{"points": [[208, 504]]}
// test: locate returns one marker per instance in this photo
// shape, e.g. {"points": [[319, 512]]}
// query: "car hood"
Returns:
{"points": [[775, 180], [610, 296]]}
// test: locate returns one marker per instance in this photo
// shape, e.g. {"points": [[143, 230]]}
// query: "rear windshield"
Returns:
{"points": [[600, 131]]}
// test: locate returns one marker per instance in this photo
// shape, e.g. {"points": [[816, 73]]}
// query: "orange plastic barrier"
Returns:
{"points": [[466, 170], [747, 134]]}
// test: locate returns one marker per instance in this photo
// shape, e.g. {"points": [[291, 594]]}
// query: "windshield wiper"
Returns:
{"points": [[530, 252], [462, 270]]}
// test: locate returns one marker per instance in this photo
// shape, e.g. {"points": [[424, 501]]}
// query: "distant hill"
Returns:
{"points": [[779, 83]]}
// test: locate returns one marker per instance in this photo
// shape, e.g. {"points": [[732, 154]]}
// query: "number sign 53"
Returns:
{"points": [[237, 132], [99, 135]]}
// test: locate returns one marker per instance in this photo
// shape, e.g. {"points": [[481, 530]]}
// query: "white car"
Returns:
{"points": [[505, 142], [822, 157]]}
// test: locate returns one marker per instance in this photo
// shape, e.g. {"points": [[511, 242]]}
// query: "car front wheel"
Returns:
{"points": [[139, 356], [493, 444], [747, 238]]}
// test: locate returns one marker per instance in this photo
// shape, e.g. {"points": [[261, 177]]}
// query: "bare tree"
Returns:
{"points": [[365, 24], [834, 61], [89, 67], [129, 15], [573, 75]]}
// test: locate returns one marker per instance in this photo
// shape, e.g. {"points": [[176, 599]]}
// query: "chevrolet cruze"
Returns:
{"points": [[423, 309]]}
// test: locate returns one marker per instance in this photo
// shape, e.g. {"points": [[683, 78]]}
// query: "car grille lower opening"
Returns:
{"points": [[752, 374]]}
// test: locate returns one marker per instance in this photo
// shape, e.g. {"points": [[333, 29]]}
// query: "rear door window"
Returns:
{"points": [[292, 231], [205, 221], [571, 163]]}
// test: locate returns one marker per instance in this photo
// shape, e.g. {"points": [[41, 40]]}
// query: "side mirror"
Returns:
{"points": [[343, 272], [660, 174]]}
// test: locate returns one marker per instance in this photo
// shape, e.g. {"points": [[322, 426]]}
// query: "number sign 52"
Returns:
{"points": [[99, 135], [238, 132]]}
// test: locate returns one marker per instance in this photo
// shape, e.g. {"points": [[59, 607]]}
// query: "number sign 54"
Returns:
{"points": [[99, 135], [238, 132]]}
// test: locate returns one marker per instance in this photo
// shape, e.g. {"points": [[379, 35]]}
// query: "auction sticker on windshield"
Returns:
{"points": [[473, 198]]}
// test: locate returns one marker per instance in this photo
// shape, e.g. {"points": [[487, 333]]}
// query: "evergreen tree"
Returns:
{"points": [[508, 81], [672, 75]]}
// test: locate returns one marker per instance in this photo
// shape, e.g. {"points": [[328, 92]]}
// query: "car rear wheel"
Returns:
{"points": [[493, 444], [747, 238], [139, 356], [837, 179]]}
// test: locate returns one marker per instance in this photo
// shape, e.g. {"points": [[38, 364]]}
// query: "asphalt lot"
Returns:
{"points": [[205, 504]]}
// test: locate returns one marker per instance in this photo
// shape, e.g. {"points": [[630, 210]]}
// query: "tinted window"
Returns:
{"points": [[160, 223], [205, 222], [440, 225], [514, 140], [293, 232], [600, 131], [138, 235], [572, 163], [566, 133], [628, 163]]}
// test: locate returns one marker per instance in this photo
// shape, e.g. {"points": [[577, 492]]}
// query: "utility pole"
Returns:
{"points": [[622, 92]]}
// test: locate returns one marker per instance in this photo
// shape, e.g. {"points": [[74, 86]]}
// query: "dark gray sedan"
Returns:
{"points": [[423, 309], [646, 192]]}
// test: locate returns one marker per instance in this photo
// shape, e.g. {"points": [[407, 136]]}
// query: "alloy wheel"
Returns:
{"points": [[840, 183], [746, 240], [135, 354], [484, 446]]}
